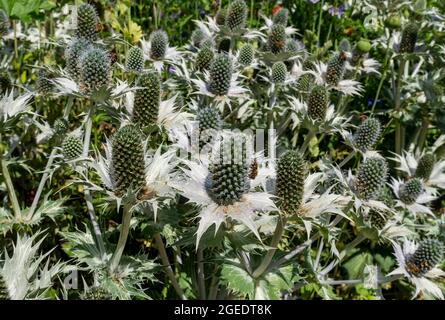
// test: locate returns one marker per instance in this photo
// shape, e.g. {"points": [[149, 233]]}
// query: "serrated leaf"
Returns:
{"points": [[238, 280]]}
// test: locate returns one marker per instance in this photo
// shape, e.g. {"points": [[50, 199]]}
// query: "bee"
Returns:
{"points": [[113, 56], [363, 117], [99, 27], [253, 170]]}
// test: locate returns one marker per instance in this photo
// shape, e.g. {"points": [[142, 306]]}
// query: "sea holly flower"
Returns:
{"points": [[365, 137], [412, 196], [417, 262], [135, 59], [87, 20], [158, 51]]}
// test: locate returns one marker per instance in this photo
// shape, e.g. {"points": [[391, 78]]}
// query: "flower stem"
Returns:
{"points": [[319, 23], [346, 160], [270, 253], [166, 263], [397, 108], [422, 135], [308, 139], [201, 276], [11, 190], [382, 79], [125, 229]]}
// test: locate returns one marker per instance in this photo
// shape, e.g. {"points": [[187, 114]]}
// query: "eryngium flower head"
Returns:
{"points": [[5, 81], [410, 191], [159, 44], [279, 71], [228, 178], [220, 75], [72, 147], [147, 100], [318, 103], [209, 121], [367, 134], [128, 163], [425, 166], [277, 38], [97, 293], [292, 45], [221, 16], [60, 127], [4, 23], [236, 15], [95, 68], [426, 257], [281, 17], [409, 38], [43, 82], [246, 54], [204, 58], [377, 219], [305, 81], [73, 52], [197, 37], [291, 174], [87, 20], [336, 69], [4, 294], [135, 59], [371, 177]]}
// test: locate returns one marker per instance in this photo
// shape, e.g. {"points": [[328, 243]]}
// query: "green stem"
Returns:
{"points": [[123, 236], [11, 190], [382, 79], [397, 108], [346, 160], [201, 276], [307, 140], [319, 22], [16, 51], [422, 135], [166, 264], [271, 252]]}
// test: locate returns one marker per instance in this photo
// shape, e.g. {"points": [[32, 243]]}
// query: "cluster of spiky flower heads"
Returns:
{"points": [[409, 38], [204, 58], [371, 177], [44, 85], [209, 122], [147, 99], [281, 17], [336, 68], [135, 59], [4, 23], [291, 174], [73, 52], [72, 147], [428, 254], [318, 103], [228, 178], [277, 38], [246, 54], [236, 15], [159, 44], [279, 72], [410, 191], [87, 21], [95, 69], [367, 134], [5, 81], [220, 75], [425, 166], [128, 162]]}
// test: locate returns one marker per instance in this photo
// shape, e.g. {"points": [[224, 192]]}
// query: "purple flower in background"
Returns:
{"points": [[171, 69], [337, 11], [371, 102], [202, 13]]}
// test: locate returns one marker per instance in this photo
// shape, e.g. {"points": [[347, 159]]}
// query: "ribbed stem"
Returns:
{"points": [[166, 263], [123, 236]]}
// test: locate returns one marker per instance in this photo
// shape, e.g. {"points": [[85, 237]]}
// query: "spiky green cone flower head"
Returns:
{"points": [[367, 134], [4, 23], [277, 38], [72, 147], [197, 37], [73, 52], [425, 166], [371, 177], [236, 15], [291, 174], [228, 178], [221, 16], [204, 58], [60, 127], [292, 45], [281, 17], [318, 103], [43, 82], [305, 82], [87, 20], [220, 75], [246, 54], [207, 43], [147, 100], [159, 44], [426, 257], [409, 38], [209, 122], [4, 294], [410, 191], [135, 59], [95, 69], [5, 82], [336, 69], [377, 219], [128, 163], [97, 293], [279, 72]]}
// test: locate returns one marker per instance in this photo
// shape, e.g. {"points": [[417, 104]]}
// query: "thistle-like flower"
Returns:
{"points": [[87, 20], [246, 55], [236, 15], [135, 59], [220, 75], [425, 166], [371, 177], [279, 72], [209, 122], [412, 195], [4, 23], [95, 70], [72, 147], [159, 44], [204, 58], [75, 49], [336, 69], [277, 38], [367, 134], [418, 263], [409, 38], [158, 51], [147, 99], [281, 17], [44, 85], [318, 103]]}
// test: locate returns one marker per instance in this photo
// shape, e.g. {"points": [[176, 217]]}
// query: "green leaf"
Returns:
{"points": [[237, 280], [274, 282], [356, 264]]}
